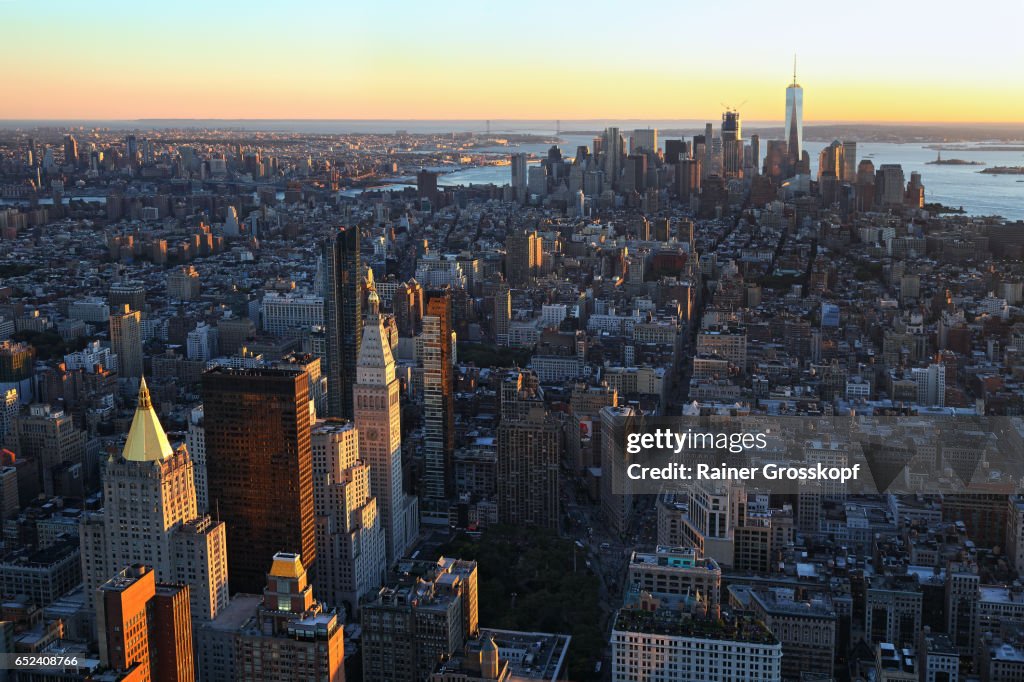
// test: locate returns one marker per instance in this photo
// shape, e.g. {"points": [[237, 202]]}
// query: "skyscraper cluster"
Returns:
{"points": [[402, 431]]}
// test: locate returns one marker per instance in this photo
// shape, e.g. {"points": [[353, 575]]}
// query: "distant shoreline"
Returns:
{"points": [[939, 134]]}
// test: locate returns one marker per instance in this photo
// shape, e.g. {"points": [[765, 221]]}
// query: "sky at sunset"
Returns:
{"points": [[866, 60]]}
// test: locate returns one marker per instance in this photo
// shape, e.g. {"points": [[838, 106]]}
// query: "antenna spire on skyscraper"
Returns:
{"points": [[794, 68]]}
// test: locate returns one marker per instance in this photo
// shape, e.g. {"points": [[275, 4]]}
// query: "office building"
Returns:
{"points": [[70, 150], [794, 126], [128, 292], [291, 314], [612, 151], [805, 623], [616, 492], [711, 161], [938, 659], [702, 517], [9, 502], [585, 405], [426, 185], [157, 522], [644, 141], [202, 343], [145, 629], [502, 315], [92, 358], [183, 284], [732, 144], [760, 538], [408, 306], [89, 309], [519, 167], [915, 191], [728, 343], [350, 536], [195, 441], [427, 616], [931, 385], [537, 181], [676, 571], [889, 185], [676, 150], [234, 333], [378, 419], [48, 437], [831, 161], [849, 167], [656, 643], [42, 575], [634, 175], [17, 366], [524, 257], [892, 611], [688, 178], [1015, 533], [257, 433], [438, 398], [343, 320], [292, 636], [530, 448], [754, 154], [126, 340]]}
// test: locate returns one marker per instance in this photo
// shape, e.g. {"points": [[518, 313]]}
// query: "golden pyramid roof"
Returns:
{"points": [[147, 441]]}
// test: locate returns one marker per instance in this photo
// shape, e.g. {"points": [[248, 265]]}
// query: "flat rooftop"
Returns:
{"points": [[241, 608], [531, 655], [674, 623]]}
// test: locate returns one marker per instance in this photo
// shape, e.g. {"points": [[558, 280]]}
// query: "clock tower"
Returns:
{"points": [[378, 420]]}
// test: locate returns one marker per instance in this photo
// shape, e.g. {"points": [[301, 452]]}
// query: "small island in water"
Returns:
{"points": [[939, 161], [1004, 170]]}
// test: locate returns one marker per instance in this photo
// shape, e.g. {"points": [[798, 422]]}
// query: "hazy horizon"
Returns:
{"points": [[341, 126]]}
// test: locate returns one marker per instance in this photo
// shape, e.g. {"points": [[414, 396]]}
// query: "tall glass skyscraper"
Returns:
{"points": [[795, 120], [343, 318]]}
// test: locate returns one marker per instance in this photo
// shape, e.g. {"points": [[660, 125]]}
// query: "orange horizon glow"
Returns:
{"points": [[117, 61]]}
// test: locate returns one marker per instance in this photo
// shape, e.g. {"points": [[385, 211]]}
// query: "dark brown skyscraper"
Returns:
{"points": [[775, 161], [426, 185], [259, 467], [343, 319], [688, 177], [523, 257]]}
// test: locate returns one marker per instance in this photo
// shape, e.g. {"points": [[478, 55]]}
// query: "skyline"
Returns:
{"points": [[419, 399], [322, 62]]}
